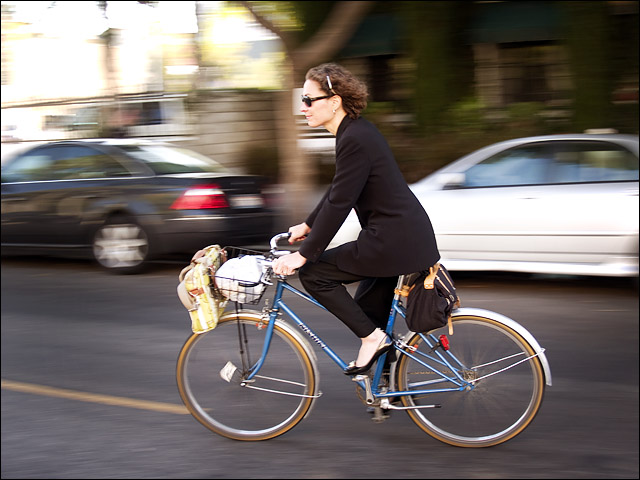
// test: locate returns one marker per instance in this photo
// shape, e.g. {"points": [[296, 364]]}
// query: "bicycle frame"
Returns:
{"points": [[371, 387]]}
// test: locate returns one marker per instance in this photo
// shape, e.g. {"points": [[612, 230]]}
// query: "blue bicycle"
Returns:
{"points": [[477, 382]]}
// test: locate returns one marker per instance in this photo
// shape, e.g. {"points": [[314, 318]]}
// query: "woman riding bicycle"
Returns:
{"points": [[396, 238]]}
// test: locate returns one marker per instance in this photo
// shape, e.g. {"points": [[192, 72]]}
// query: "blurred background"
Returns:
{"points": [[88, 358], [220, 77]]}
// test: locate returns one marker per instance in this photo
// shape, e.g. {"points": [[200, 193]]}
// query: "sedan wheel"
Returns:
{"points": [[121, 246]]}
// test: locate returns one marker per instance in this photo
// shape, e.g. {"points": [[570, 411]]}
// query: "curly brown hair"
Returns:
{"points": [[353, 92]]}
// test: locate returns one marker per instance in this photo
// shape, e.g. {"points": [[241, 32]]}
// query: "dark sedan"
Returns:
{"points": [[126, 202]]}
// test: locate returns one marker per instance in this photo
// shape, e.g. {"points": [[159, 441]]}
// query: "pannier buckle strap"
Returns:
{"points": [[430, 279], [403, 292]]}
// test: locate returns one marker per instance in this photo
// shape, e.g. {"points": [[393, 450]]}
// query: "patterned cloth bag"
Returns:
{"points": [[197, 291]]}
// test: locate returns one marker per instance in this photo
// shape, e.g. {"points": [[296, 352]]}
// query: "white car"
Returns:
{"points": [[555, 204]]}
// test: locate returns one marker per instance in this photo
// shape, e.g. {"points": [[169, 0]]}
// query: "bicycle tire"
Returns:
{"points": [[244, 412], [498, 407]]}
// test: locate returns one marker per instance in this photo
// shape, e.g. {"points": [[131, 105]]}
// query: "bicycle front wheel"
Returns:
{"points": [[212, 369], [502, 390]]}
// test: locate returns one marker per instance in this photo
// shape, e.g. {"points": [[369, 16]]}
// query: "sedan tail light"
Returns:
{"points": [[201, 197]]}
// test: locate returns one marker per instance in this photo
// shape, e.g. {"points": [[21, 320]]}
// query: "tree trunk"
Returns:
{"points": [[295, 174], [588, 43], [297, 170]]}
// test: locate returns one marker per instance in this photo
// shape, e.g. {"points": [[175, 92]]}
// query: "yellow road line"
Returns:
{"points": [[93, 397]]}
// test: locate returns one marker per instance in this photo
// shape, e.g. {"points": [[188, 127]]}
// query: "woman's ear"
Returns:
{"points": [[337, 102]]}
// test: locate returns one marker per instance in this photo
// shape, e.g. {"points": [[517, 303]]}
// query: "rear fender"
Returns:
{"points": [[523, 332]]}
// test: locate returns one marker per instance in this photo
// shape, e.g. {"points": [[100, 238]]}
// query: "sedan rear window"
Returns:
{"points": [[165, 160], [583, 162]]}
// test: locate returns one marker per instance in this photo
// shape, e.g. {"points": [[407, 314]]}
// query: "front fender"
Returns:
{"points": [[523, 332]]}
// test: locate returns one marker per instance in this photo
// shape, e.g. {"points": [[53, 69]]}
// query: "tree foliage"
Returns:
{"points": [[441, 63], [588, 43], [311, 33]]}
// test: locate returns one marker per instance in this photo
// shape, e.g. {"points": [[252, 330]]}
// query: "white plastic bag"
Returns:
{"points": [[239, 279]]}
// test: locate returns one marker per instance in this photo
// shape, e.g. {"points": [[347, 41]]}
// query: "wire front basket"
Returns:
{"points": [[237, 252], [243, 276]]}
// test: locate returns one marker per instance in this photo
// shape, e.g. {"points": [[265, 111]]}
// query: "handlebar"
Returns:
{"points": [[273, 243]]}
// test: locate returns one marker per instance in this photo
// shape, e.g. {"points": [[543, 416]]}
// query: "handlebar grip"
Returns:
{"points": [[276, 238]]}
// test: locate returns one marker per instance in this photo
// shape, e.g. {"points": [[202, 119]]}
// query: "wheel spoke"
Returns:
{"points": [[504, 386], [217, 394]]}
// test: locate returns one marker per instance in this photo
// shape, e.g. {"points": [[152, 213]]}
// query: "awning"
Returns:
{"points": [[376, 35], [515, 21]]}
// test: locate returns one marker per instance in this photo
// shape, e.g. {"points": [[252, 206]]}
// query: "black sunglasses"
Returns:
{"points": [[307, 100]]}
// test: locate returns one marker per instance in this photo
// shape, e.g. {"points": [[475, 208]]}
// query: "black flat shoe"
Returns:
{"points": [[382, 348]]}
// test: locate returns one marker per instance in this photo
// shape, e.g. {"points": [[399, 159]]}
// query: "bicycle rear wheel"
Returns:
{"points": [[496, 405], [272, 403]]}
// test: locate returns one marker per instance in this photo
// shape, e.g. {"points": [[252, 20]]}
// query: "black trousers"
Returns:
{"points": [[367, 309]]}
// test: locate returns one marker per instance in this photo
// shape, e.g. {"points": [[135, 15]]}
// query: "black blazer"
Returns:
{"points": [[397, 236]]}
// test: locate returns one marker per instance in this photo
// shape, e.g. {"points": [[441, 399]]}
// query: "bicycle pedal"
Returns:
{"points": [[379, 415]]}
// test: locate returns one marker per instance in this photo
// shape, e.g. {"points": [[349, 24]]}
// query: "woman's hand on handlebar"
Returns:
{"points": [[299, 232], [287, 264]]}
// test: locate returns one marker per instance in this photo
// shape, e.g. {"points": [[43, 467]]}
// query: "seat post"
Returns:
{"points": [[401, 289]]}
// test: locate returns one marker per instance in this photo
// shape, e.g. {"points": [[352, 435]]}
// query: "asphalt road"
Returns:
{"points": [[88, 386]]}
